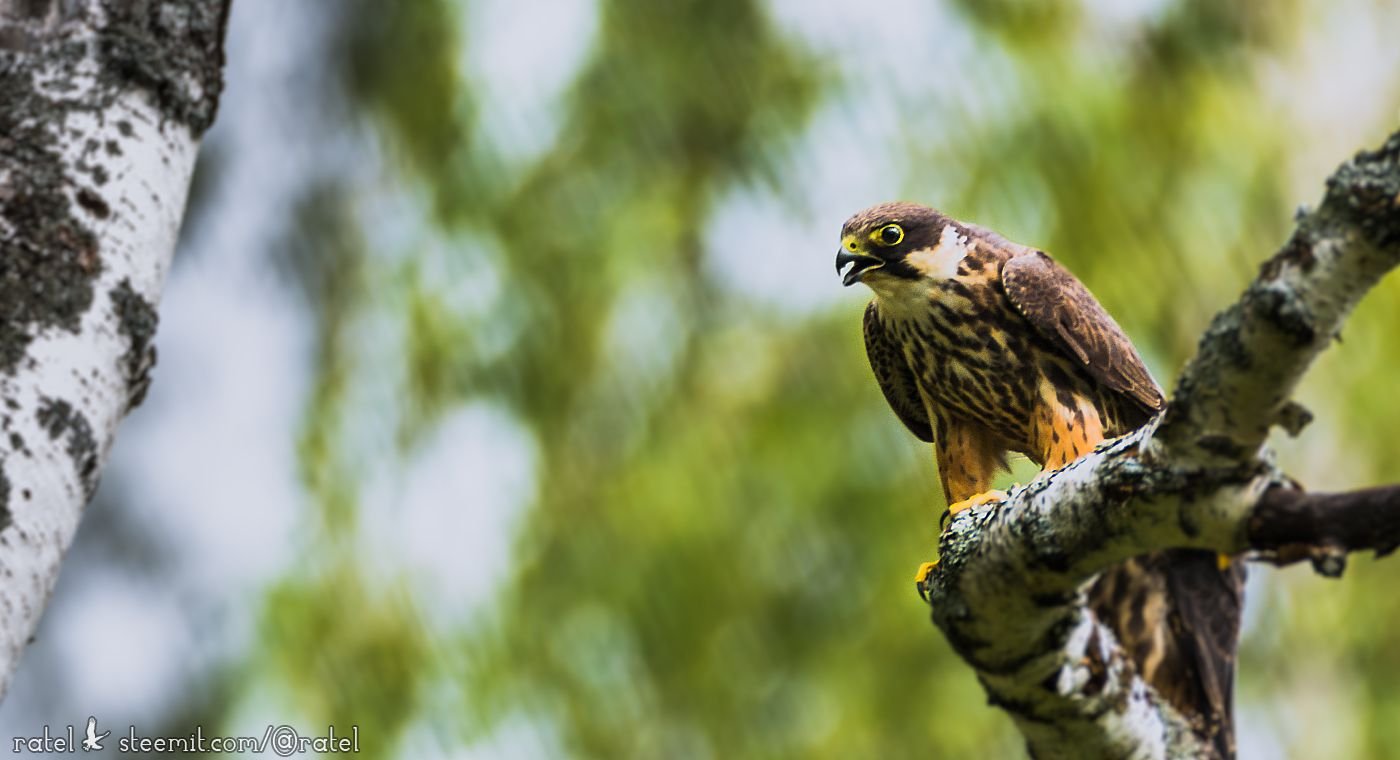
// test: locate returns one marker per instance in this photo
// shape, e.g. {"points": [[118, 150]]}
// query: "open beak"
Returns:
{"points": [[860, 264]]}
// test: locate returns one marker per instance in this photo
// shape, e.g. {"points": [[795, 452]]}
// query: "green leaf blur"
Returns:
{"points": [[716, 556]]}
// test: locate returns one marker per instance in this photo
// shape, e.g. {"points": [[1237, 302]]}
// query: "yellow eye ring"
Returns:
{"points": [[889, 235]]}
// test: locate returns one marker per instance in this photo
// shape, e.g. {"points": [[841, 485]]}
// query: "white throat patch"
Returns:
{"points": [[941, 261]]}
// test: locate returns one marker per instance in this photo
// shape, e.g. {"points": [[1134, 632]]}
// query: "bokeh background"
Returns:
{"points": [[508, 405]]}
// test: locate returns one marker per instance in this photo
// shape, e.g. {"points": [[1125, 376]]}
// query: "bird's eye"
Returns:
{"points": [[891, 234]]}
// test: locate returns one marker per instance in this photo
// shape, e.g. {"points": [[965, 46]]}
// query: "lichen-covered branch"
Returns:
{"points": [[102, 103], [1255, 352], [1008, 591]]}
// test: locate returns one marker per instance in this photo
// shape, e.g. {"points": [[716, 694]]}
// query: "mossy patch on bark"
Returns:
{"points": [[136, 319], [48, 255], [58, 418]]}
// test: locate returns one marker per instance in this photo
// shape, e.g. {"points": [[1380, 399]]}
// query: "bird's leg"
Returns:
{"points": [[967, 464], [968, 480], [986, 497], [921, 578]]}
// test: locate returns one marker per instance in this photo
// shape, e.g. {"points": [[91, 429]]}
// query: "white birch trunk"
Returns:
{"points": [[102, 103]]}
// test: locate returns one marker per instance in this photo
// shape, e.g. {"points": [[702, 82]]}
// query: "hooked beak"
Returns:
{"points": [[860, 264]]}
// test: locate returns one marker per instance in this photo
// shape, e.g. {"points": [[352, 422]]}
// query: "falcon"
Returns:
{"points": [[984, 347]]}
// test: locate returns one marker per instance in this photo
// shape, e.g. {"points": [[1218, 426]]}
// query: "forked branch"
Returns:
{"points": [[1008, 592]]}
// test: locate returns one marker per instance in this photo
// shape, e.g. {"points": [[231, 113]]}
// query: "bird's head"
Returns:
{"points": [[878, 242]]}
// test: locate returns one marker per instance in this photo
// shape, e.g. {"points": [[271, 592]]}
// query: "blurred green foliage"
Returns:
{"points": [[717, 558]]}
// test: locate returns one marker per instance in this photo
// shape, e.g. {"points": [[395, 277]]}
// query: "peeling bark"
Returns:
{"points": [[102, 103], [1009, 589]]}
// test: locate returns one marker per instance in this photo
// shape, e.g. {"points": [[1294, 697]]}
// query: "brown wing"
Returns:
{"points": [[1064, 311], [1177, 614], [1205, 616], [894, 376]]}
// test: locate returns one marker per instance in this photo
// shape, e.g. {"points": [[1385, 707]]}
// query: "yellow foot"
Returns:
{"points": [[986, 497], [1222, 561], [921, 578]]}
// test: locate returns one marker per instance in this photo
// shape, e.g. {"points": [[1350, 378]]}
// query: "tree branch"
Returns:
{"points": [[1009, 589], [1289, 525]]}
